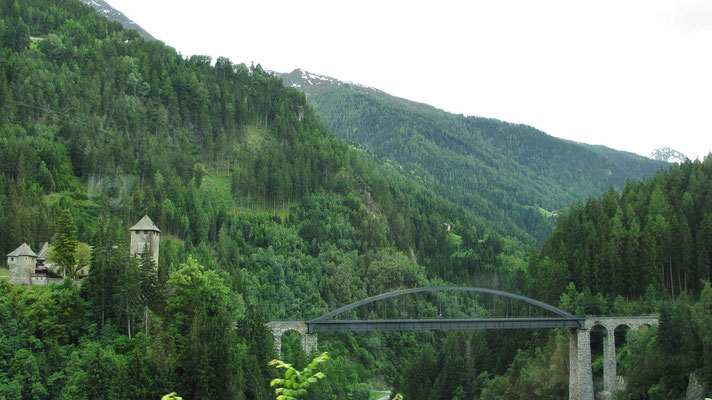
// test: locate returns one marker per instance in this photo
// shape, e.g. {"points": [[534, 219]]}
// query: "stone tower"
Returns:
{"points": [[21, 265], [145, 234]]}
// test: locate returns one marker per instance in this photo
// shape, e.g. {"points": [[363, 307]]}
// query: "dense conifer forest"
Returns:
{"points": [[510, 174], [641, 251], [266, 215]]}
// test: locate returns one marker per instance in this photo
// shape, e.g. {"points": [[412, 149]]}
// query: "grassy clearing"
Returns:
{"points": [[282, 210], [218, 189], [377, 394], [544, 212], [4, 272], [454, 238], [256, 136], [168, 236]]}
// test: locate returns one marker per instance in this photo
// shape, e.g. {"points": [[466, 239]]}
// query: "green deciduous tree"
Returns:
{"points": [[201, 312]]}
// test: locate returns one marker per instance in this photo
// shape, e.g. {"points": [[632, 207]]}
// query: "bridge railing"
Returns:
{"points": [[631, 316]]}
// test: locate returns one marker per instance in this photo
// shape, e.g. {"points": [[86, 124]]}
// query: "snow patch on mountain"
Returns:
{"points": [[300, 78], [115, 15], [669, 155], [308, 76]]}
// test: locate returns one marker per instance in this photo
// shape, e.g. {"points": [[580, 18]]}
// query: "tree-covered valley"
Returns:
{"points": [[266, 215], [511, 174]]}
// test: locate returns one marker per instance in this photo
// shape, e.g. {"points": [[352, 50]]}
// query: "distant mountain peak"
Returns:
{"points": [[668, 155], [314, 85], [313, 79], [115, 15], [303, 79]]}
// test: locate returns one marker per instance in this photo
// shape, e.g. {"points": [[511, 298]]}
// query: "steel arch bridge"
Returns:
{"points": [[562, 319], [308, 329], [580, 374]]}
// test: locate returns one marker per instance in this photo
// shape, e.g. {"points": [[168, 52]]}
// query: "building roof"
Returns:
{"points": [[145, 224], [44, 251], [23, 250]]}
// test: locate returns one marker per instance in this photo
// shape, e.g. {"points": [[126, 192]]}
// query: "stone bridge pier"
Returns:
{"points": [[309, 340], [580, 374]]}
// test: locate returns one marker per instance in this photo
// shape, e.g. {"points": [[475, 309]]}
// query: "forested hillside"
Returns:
{"points": [[644, 250], [89, 107], [265, 215], [654, 233], [651, 241], [504, 172]]}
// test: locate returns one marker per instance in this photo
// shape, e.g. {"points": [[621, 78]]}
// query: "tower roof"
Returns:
{"points": [[23, 250], [44, 250], [145, 224]]}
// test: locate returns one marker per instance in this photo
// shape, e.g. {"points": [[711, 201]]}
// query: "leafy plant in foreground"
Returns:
{"points": [[295, 383]]}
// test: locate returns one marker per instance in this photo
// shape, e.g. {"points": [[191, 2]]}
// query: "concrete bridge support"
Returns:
{"points": [[609, 360], [309, 340], [580, 374]]}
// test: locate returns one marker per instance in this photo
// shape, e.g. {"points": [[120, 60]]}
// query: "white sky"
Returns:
{"points": [[633, 75]]}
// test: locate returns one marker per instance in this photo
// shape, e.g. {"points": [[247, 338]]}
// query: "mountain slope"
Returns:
{"points": [[254, 197], [105, 123], [503, 172]]}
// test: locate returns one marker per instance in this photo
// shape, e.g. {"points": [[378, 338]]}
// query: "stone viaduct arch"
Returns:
{"points": [[309, 340], [580, 373]]}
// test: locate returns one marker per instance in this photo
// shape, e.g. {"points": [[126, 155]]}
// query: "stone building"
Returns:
{"points": [[21, 265], [25, 267], [145, 234]]}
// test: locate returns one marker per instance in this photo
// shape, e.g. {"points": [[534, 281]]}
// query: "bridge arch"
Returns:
{"points": [[278, 328], [537, 303], [581, 378]]}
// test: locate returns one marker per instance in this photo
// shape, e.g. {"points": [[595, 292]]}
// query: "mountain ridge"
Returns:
{"points": [[325, 82], [115, 15], [500, 170]]}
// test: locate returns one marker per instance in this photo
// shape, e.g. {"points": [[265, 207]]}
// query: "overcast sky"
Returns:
{"points": [[632, 75]]}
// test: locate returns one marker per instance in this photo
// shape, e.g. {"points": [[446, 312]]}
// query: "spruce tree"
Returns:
{"points": [[150, 286], [65, 243]]}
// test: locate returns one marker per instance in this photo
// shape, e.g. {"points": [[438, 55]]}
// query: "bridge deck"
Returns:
{"points": [[443, 324]]}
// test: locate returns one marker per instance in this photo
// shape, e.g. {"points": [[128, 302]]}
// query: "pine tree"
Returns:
{"points": [[150, 293], [260, 351], [107, 263], [65, 244], [128, 299]]}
